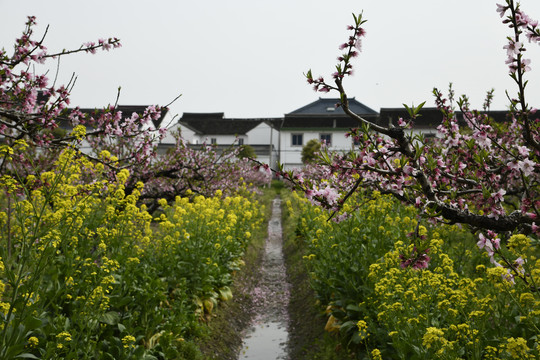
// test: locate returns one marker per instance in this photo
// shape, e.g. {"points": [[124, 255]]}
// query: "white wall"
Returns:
{"points": [[291, 156], [193, 138], [261, 135]]}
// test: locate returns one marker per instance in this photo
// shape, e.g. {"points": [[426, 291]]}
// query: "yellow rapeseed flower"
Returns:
{"points": [[33, 341], [64, 336], [517, 347], [128, 341], [79, 132], [433, 336], [376, 354]]}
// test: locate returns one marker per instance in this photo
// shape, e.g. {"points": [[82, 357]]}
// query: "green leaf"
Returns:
{"points": [[418, 108], [352, 307], [355, 338], [124, 301], [414, 110], [409, 110], [27, 356], [149, 357], [32, 323], [111, 318], [347, 326]]}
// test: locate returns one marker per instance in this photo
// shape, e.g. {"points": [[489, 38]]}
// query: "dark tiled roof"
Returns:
{"points": [[430, 118], [127, 111], [499, 116], [324, 122], [324, 114], [328, 107], [217, 124]]}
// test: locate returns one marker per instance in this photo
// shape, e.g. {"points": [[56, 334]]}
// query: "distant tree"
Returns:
{"points": [[310, 151], [246, 151]]}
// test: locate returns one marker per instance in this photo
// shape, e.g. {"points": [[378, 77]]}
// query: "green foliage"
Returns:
{"points": [[310, 150], [247, 151], [277, 185]]}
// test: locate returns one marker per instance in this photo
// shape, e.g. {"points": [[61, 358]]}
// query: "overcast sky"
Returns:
{"points": [[247, 58]]}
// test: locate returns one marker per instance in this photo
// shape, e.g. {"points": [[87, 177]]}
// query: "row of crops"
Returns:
{"points": [[394, 288], [86, 273]]}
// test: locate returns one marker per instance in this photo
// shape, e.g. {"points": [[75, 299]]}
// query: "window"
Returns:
{"points": [[326, 139], [297, 139], [213, 141], [240, 141]]}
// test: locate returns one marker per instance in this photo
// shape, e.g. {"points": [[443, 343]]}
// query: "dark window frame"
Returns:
{"points": [[326, 135], [297, 139]]}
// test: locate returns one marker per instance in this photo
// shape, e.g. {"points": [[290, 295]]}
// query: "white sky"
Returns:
{"points": [[247, 57]]}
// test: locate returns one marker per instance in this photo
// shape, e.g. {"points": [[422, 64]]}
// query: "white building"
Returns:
{"points": [[213, 128], [280, 140], [321, 120]]}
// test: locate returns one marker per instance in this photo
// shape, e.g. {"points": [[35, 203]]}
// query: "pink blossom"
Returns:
{"points": [[525, 65], [485, 243], [523, 151], [330, 194], [499, 195], [417, 260], [527, 166], [358, 44], [408, 170], [513, 47], [501, 9]]}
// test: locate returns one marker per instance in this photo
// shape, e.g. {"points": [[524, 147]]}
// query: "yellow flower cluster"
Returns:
{"points": [[518, 349], [128, 341], [376, 354], [33, 341], [362, 329], [63, 339], [78, 132]]}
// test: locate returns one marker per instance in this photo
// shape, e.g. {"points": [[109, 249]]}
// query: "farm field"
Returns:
{"points": [[86, 273], [392, 288], [126, 233]]}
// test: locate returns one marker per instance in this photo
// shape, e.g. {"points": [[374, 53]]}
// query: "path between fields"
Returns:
{"points": [[267, 338]]}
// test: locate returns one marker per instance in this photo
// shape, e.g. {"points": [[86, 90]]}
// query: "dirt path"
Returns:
{"points": [[267, 337]]}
